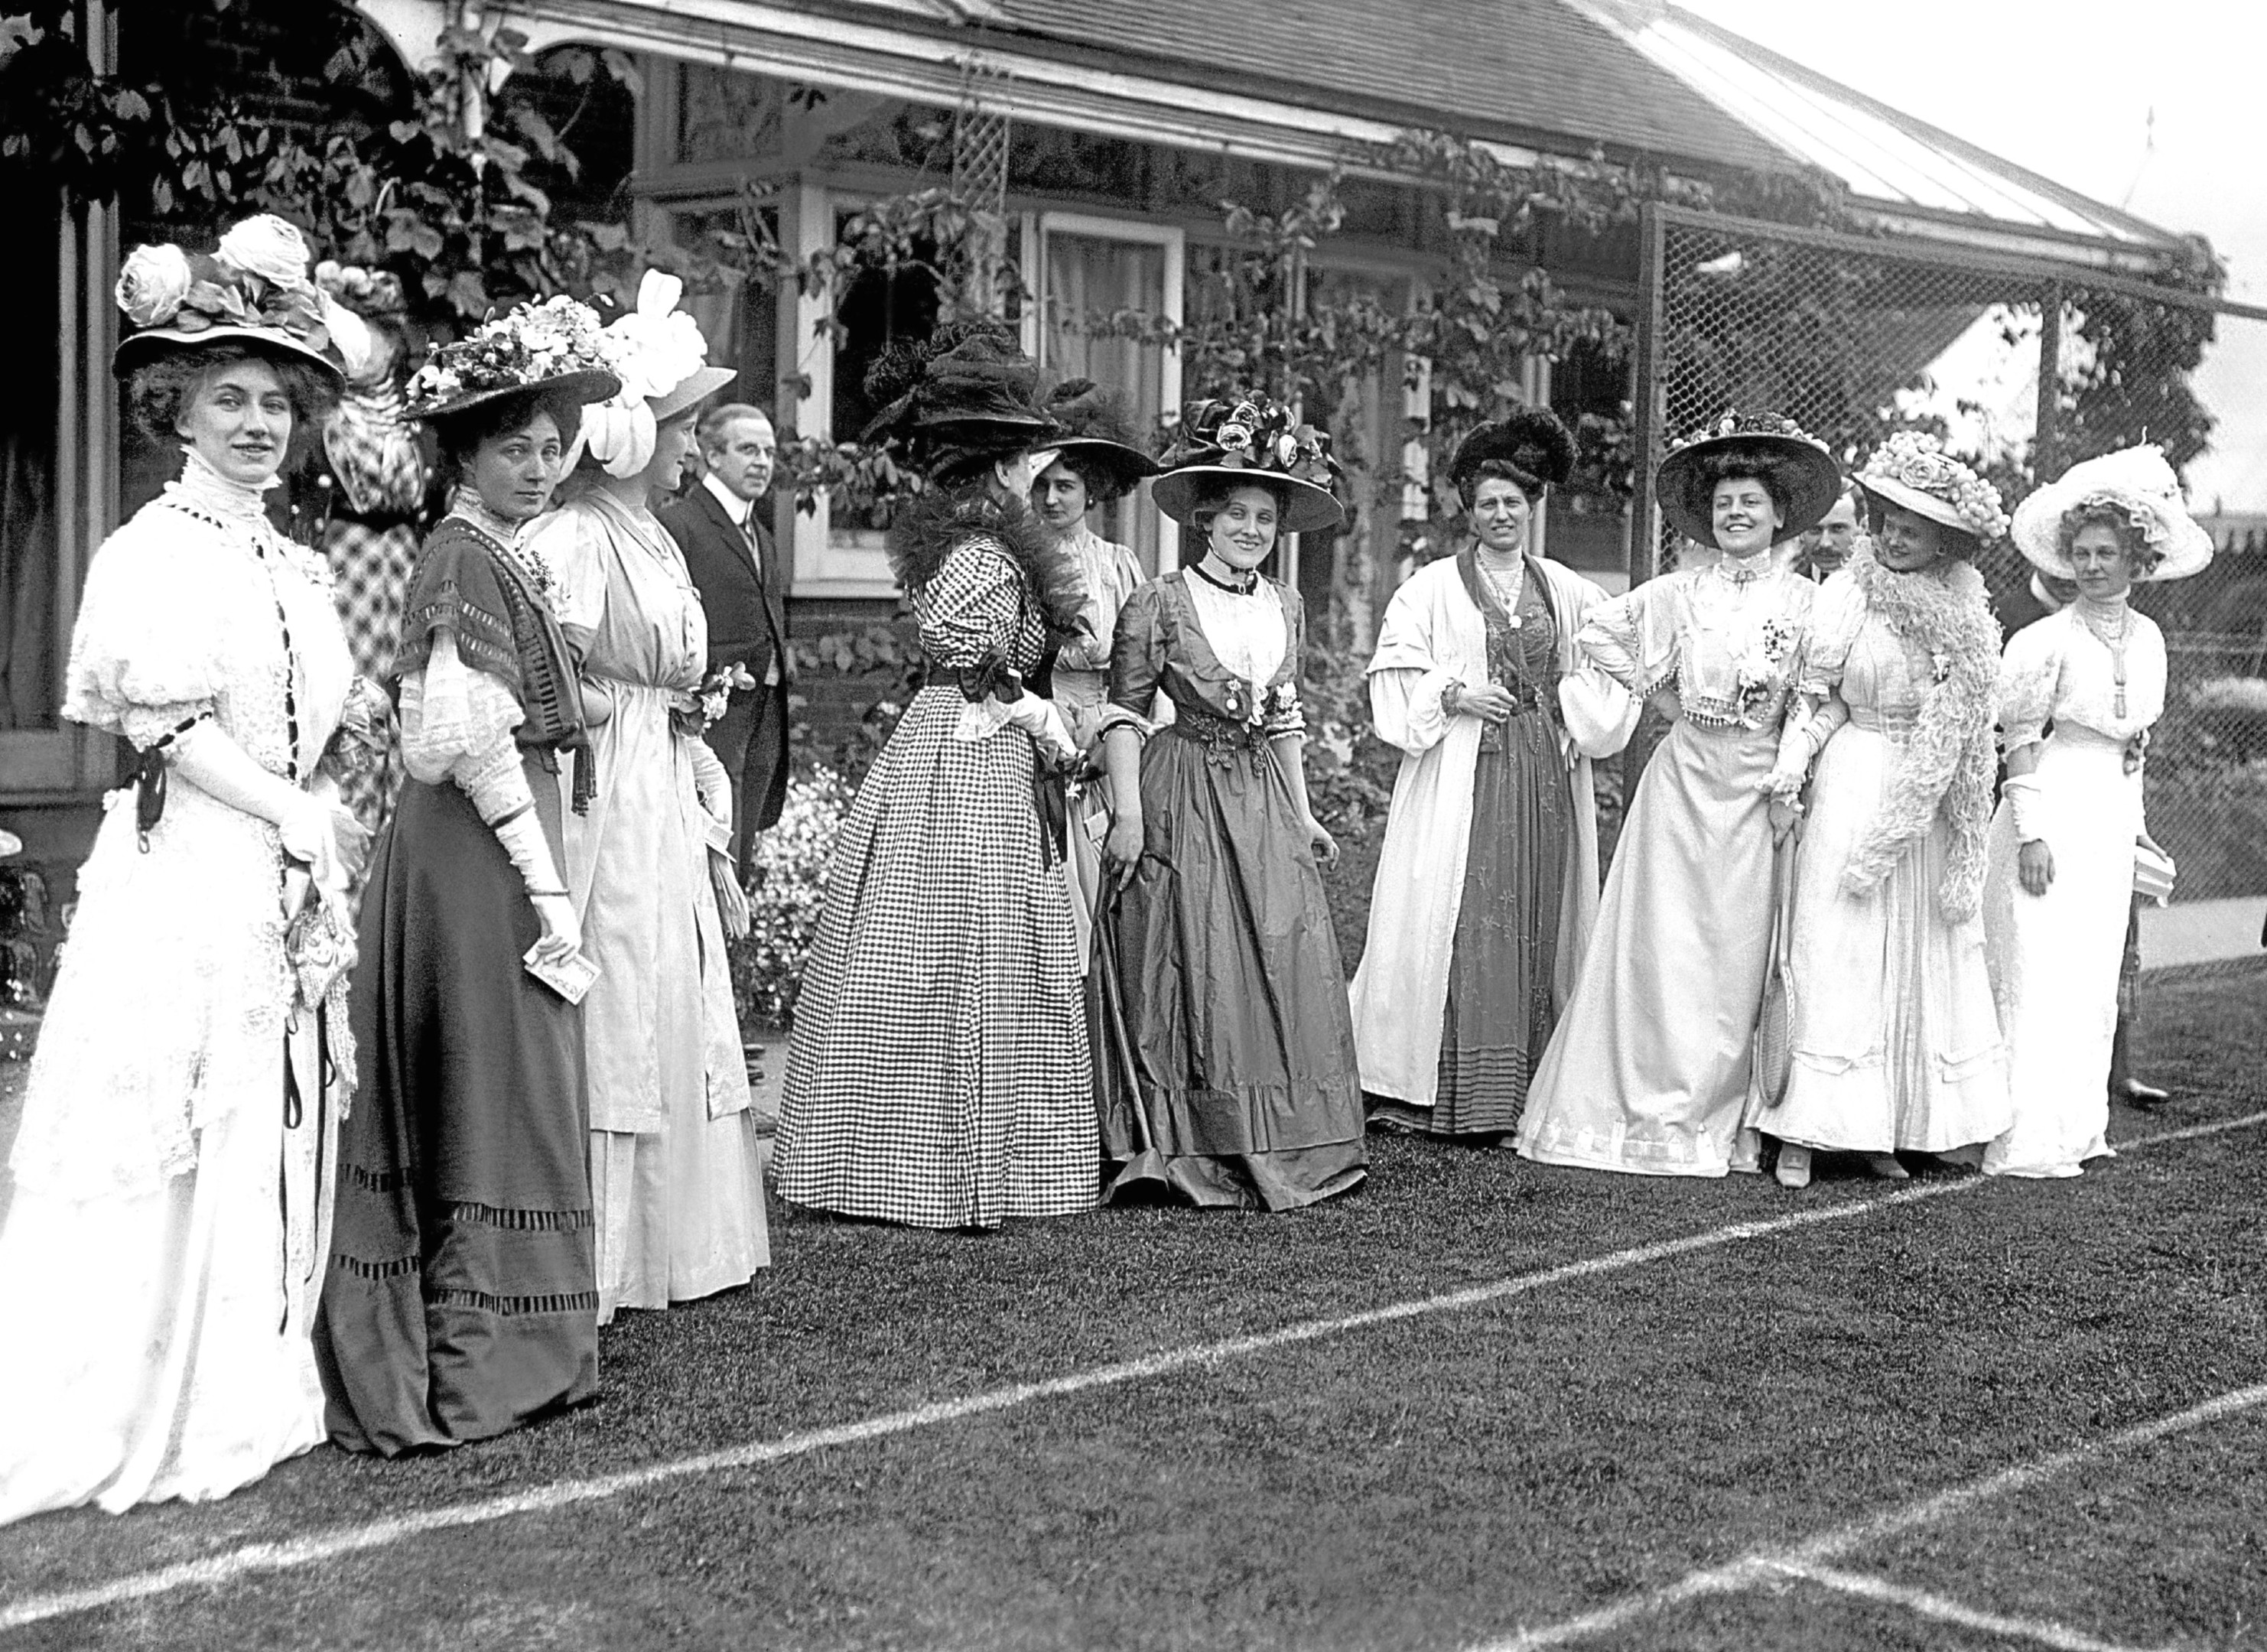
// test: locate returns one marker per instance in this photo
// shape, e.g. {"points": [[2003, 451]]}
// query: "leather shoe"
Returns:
{"points": [[1885, 1165], [2134, 1093]]}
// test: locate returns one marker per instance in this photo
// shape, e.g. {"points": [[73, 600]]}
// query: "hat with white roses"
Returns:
{"points": [[661, 357], [551, 346], [252, 289], [1252, 440], [2139, 484], [1911, 470]]}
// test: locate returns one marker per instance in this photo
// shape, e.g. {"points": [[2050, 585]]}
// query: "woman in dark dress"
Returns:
{"points": [[1243, 1089], [462, 1297]]}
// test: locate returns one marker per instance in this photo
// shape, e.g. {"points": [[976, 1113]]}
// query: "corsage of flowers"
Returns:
{"points": [[696, 713], [1758, 672]]}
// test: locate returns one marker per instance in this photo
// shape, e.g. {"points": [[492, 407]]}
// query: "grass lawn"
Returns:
{"points": [[1443, 1481]]}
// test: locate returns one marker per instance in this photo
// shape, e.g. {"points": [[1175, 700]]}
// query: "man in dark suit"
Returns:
{"points": [[724, 527]]}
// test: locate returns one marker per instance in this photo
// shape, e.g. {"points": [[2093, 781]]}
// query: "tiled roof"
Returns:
{"points": [[1524, 70]]}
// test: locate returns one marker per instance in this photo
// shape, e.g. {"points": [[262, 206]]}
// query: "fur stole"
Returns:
{"points": [[929, 527], [1947, 761]]}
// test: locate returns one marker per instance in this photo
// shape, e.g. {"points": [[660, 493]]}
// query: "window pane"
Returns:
{"points": [[31, 551], [1088, 279]]}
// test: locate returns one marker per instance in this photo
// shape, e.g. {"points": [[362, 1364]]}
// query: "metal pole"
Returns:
{"points": [[1645, 397], [2046, 458]]}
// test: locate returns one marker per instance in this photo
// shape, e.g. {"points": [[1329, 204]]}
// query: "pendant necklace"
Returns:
{"points": [[2116, 644]]}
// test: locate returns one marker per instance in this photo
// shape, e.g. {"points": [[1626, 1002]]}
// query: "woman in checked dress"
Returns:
{"points": [[938, 1074]]}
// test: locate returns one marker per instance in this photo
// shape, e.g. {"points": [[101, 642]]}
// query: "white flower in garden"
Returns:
{"points": [[153, 282], [268, 247]]}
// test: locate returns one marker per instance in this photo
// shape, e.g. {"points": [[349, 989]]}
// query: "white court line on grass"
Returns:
{"points": [[213, 1571], [2060, 1636], [1760, 1565]]}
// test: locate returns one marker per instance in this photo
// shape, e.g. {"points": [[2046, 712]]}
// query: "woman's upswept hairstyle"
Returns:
{"points": [[1213, 492], [1740, 463]]}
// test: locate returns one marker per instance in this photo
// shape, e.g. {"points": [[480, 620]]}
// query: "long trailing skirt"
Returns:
{"points": [[1234, 1000], [937, 1072], [1897, 1041], [462, 1295], [1648, 1069]]}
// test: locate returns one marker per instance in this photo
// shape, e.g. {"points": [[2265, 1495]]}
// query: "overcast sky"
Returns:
{"points": [[2067, 88]]}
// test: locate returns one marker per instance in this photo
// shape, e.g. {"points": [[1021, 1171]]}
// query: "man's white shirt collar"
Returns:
{"points": [[741, 511]]}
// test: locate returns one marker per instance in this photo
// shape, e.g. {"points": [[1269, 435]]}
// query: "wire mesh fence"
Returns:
{"points": [[2023, 367]]}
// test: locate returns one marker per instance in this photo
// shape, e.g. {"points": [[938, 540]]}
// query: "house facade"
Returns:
{"points": [[1126, 125]]}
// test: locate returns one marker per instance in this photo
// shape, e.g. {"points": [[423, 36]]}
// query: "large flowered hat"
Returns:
{"points": [[252, 289], [1097, 437], [1796, 459], [553, 345], [2137, 481], [1253, 439], [661, 358], [1533, 441], [1910, 469]]}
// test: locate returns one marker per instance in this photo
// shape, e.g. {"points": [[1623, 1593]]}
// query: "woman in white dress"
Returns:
{"points": [[1648, 1070], [676, 1183], [165, 1244], [2079, 691], [1896, 1044], [1487, 884]]}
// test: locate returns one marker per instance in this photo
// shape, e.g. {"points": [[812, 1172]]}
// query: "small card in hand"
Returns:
{"points": [[570, 978]]}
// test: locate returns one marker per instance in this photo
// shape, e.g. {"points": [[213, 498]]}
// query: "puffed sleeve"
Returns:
{"points": [[457, 725], [573, 544], [2029, 676], [1835, 619], [145, 652], [1137, 659], [1406, 678], [1632, 637], [973, 609]]}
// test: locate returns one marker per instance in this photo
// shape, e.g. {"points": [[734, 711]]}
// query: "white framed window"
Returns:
{"points": [[1079, 266]]}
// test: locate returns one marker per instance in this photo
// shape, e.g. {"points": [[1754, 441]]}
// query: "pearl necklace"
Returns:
{"points": [[2115, 643]]}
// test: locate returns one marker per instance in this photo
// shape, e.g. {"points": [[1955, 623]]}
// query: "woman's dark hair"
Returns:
{"points": [[1739, 462], [160, 392], [461, 435], [2140, 558], [1104, 481], [1212, 496], [1502, 469]]}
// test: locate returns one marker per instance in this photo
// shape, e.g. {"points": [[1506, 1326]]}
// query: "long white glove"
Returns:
{"points": [[523, 839], [2025, 806], [215, 765], [1042, 721]]}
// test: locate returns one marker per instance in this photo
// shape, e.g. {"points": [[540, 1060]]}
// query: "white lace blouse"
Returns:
{"points": [[2057, 671]]}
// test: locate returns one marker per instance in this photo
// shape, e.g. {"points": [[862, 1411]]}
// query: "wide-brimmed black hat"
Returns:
{"points": [[968, 388], [1806, 473], [1099, 438], [1533, 441], [1252, 441]]}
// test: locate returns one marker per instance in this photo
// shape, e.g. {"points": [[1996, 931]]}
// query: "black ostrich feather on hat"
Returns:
{"points": [[968, 377], [1533, 441], [1085, 409]]}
